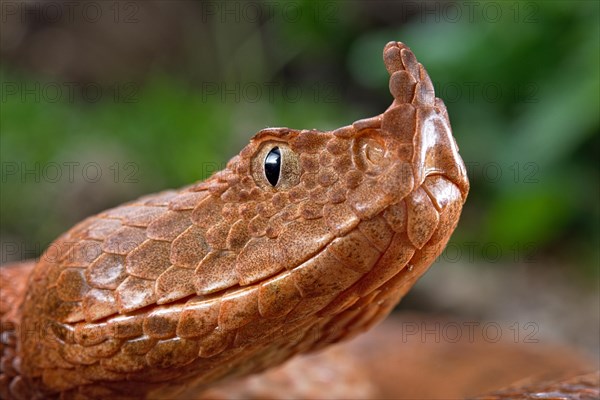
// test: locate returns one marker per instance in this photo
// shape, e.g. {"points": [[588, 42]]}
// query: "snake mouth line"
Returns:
{"points": [[232, 291]]}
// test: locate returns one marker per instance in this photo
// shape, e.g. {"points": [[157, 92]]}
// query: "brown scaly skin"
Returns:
{"points": [[231, 276]]}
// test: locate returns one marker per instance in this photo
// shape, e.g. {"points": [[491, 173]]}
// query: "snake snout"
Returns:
{"points": [[419, 121]]}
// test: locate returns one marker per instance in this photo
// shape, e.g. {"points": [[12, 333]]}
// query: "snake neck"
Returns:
{"points": [[13, 284]]}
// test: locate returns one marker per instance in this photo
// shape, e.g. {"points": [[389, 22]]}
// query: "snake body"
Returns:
{"points": [[232, 275]]}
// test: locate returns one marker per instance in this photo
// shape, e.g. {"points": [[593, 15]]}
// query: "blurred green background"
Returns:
{"points": [[97, 109]]}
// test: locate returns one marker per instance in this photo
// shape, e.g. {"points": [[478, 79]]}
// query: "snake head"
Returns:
{"points": [[304, 239]]}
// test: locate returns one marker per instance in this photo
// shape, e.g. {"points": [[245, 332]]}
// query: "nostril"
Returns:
{"points": [[374, 152], [371, 154]]}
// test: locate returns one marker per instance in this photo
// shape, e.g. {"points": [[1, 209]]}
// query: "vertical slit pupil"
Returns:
{"points": [[273, 166]]}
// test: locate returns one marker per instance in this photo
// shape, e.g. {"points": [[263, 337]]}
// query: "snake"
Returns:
{"points": [[304, 239]]}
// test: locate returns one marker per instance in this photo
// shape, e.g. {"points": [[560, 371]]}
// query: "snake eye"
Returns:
{"points": [[273, 166]]}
